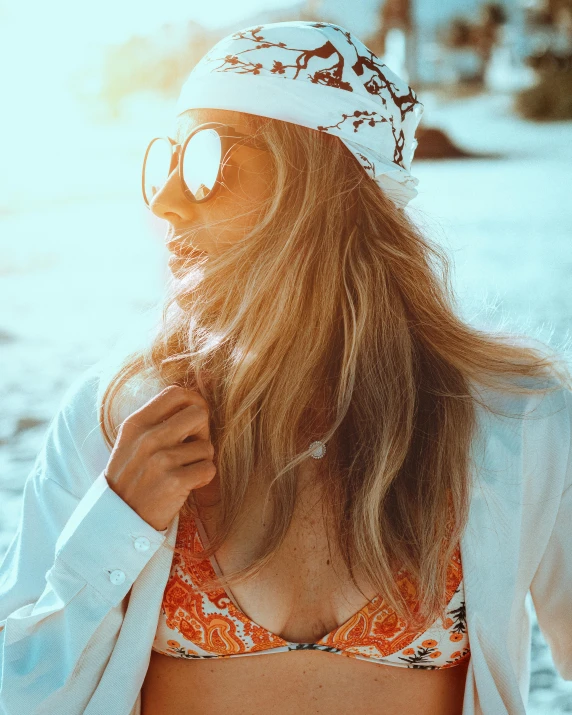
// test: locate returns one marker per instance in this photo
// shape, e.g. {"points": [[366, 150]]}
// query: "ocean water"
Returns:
{"points": [[82, 264]]}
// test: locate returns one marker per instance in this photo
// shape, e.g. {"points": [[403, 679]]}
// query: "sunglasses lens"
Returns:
{"points": [[201, 162], [156, 168]]}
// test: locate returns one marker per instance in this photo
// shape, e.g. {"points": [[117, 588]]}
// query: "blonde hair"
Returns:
{"points": [[336, 294]]}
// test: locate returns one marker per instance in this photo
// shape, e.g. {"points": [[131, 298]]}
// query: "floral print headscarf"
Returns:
{"points": [[318, 75]]}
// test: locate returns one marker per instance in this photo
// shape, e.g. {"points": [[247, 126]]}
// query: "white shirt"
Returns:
{"points": [[82, 581]]}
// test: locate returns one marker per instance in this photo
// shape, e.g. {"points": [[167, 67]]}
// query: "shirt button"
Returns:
{"points": [[141, 543], [117, 577]]}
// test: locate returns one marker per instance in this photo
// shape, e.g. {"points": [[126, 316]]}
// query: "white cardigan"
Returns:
{"points": [[80, 589]]}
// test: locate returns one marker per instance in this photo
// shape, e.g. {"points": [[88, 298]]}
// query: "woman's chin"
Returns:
{"points": [[181, 264], [185, 281]]}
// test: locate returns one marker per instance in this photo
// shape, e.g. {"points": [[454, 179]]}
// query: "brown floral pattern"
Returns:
{"points": [[335, 58]]}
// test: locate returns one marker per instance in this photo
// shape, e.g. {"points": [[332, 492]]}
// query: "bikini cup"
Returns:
{"points": [[195, 623]]}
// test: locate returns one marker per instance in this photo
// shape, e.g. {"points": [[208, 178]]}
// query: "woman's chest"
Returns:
{"points": [[303, 594], [305, 591]]}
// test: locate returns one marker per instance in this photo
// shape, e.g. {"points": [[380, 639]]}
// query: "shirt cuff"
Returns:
{"points": [[106, 542]]}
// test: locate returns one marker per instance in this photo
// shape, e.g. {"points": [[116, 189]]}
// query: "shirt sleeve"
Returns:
{"points": [[551, 587], [77, 551]]}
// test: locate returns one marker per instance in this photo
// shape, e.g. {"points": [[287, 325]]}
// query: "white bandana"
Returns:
{"points": [[320, 76]]}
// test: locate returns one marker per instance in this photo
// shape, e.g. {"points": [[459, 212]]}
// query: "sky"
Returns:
{"points": [[41, 44], [112, 21]]}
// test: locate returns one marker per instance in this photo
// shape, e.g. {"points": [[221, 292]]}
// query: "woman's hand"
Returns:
{"points": [[163, 450]]}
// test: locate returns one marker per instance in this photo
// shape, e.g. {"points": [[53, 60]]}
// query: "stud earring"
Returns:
{"points": [[319, 449]]}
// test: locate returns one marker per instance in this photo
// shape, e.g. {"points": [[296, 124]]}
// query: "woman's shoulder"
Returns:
{"points": [[525, 397], [530, 429]]}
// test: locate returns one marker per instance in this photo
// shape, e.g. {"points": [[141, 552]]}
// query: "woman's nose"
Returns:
{"points": [[169, 202]]}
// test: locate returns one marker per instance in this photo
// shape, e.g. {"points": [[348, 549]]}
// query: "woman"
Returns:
{"points": [[315, 462]]}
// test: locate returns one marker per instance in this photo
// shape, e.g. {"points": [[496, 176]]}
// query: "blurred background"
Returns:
{"points": [[85, 86]]}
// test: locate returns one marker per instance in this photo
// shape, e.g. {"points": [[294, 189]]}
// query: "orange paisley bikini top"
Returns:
{"points": [[194, 623]]}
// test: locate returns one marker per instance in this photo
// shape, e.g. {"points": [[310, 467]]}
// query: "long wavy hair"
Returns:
{"points": [[336, 310]]}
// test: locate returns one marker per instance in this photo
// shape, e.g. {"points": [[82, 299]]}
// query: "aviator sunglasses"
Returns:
{"points": [[201, 160]]}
